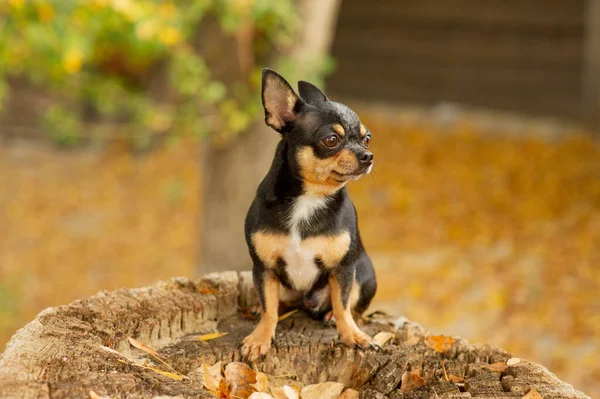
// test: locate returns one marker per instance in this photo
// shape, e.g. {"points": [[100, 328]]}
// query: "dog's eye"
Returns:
{"points": [[366, 141], [331, 141]]}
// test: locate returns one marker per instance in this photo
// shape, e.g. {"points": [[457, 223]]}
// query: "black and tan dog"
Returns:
{"points": [[302, 229]]}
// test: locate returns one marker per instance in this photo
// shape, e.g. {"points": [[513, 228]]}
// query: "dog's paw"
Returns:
{"points": [[357, 338], [256, 345], [329, 320]]}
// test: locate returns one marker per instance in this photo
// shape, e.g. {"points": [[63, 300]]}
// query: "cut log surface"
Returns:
{"points": [[68, 351]]}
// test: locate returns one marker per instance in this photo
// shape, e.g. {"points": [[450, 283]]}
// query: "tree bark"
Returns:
{"points": [[233, 171], [68, 351]]}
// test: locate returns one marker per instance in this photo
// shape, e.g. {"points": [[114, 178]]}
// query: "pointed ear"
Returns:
{"points": [[279, 101], [311, 93]]}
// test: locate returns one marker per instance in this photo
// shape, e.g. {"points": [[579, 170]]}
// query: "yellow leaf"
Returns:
{"points": [[211, 382], [206, 337], [260, 395], [291, 392], [288, 314], [439, 343], [173, 376], [72, 60], [498, 366], [383, 337], [349, 394], [94, 395], [262, 382], [532, 394], [323, 390], [513, 360], [144, 347]]}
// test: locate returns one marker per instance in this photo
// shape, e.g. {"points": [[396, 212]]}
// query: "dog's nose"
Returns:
{"points": [[366, 158]]}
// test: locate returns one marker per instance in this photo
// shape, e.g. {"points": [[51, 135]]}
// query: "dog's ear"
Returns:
{"points": [[311, 93], [279, 100]]}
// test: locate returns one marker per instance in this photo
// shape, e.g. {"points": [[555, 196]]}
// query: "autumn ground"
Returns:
{"points": [[490, 237]]}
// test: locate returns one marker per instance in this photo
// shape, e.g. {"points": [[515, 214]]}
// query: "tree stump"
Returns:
{"points": [[68, 351]]}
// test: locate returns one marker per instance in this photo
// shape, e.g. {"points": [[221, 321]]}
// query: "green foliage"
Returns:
{"points": [[103, 55]]}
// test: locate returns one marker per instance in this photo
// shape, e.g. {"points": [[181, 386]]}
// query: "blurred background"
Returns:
{"points": [[132, 141]]}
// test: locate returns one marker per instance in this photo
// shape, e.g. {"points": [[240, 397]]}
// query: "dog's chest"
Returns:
{"points": [[299, 258], [299, 255]]}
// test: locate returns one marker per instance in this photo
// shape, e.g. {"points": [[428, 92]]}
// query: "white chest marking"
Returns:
{"points": [[300, 260]]}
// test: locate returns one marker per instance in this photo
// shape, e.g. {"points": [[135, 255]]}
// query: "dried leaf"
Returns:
{"points": [[411, 381], [207, 291], [291, 392], [262, 382], [383, 337], [260, 395], [498, 367], [137, 344], [168, 374], [532, 394], [439, 343], [324, 390], [512, 361], [279, 393], [240, 380], [456, 379], [288, 314], [206, 337], [211, 382], [349, 394], [94, 395], [223, 390]]}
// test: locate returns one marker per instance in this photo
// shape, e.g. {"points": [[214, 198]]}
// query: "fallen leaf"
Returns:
{"points": [[223, 390], [260, 395], [512, 361], [349, 394], [240, 380], [532, 394], [456, 379], [262, 382], [498, 366], [279, 393], [288, 314], [444, 370], [324, 390], [411, 381], [383, 337], [168, 374], [211, 381], [207, 291], [291, 392], [144, 347], [206, 337], [439, 343], [94, 395]]}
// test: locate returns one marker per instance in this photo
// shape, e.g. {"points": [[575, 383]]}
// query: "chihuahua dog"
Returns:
{"points": [[301, 229]]}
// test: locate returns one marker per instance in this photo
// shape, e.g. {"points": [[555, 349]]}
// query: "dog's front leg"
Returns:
{"points": [[340, 284], [258, 343]]}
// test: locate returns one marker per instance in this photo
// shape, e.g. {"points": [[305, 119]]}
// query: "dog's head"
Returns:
{"points": [[329, 144]]}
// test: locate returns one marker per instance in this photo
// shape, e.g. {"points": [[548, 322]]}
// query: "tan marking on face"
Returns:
{"points": [[339, 129], [330, 249], [270, 246], [363, 130], [317, 173]]}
